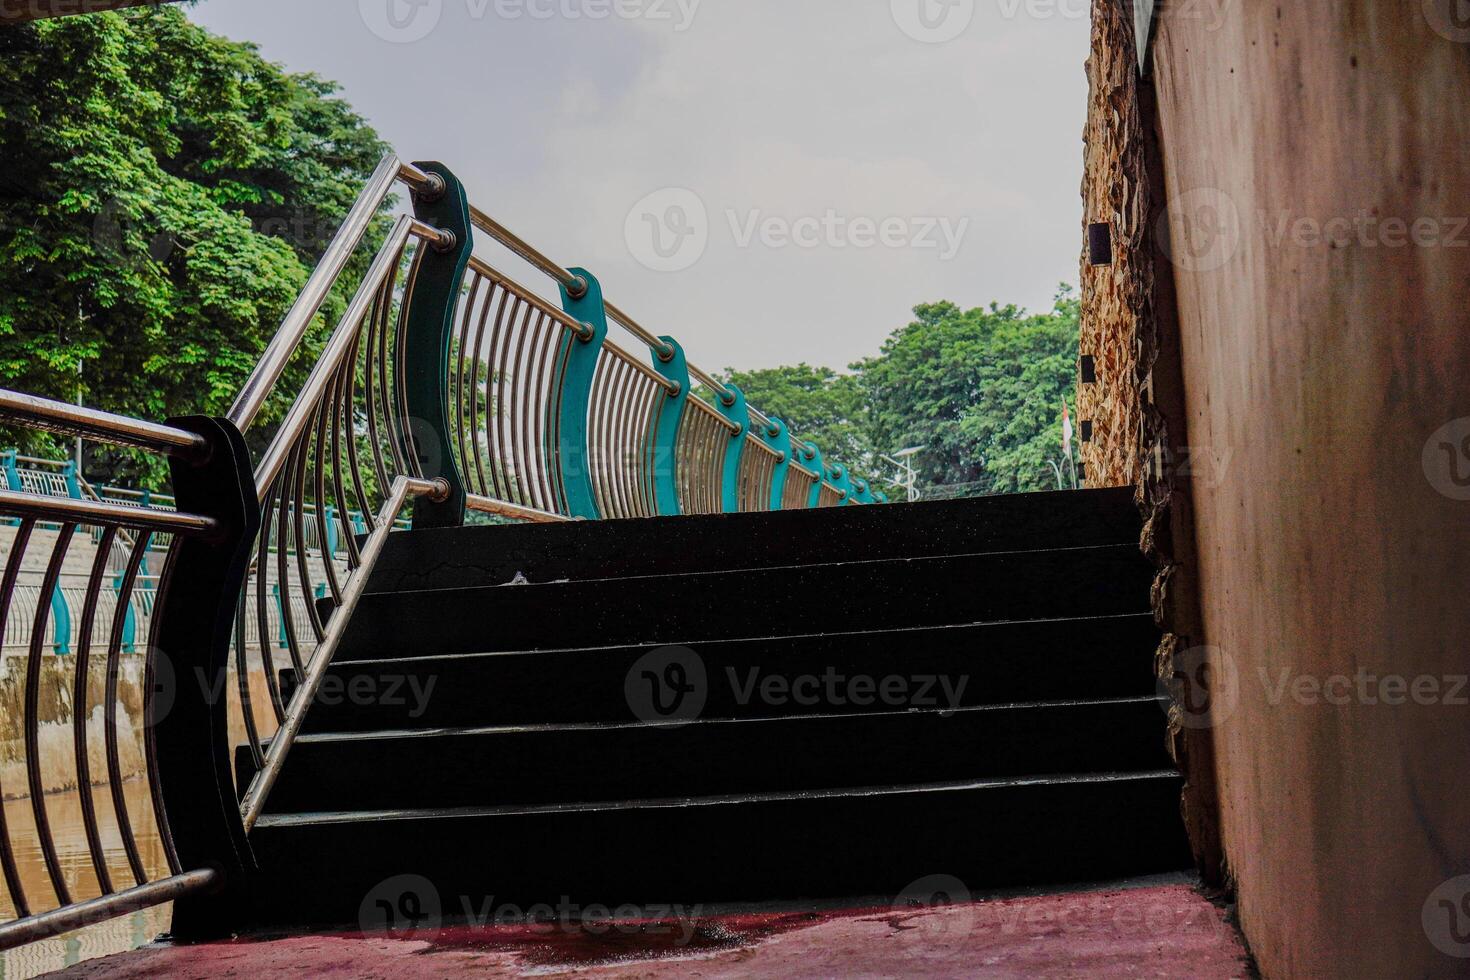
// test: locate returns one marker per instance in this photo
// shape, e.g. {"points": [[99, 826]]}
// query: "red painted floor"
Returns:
{"points": [[1157, 930]]}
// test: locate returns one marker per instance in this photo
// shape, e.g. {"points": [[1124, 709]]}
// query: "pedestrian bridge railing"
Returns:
{"points": [[448, 391]]}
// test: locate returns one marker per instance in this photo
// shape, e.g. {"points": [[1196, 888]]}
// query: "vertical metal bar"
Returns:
{"points": [[109, 708], [18, 546], [44, 840], [79, 709]]}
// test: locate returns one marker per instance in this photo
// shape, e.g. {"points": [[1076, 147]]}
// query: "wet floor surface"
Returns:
{"points": [[1160, 928]]}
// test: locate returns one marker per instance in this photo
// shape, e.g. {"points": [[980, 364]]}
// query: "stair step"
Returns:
{"points": [[998, 663], [688, 609], [476, 556], [873, 841], [569, 764]]}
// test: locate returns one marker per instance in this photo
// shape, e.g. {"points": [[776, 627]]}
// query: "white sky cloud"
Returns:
{"points": [[788, 108]]}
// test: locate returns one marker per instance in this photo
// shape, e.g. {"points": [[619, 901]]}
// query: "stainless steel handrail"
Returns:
{"points": [[342, 341], [308, 304], [96, 910], [253, 803], [504, 508], [69, 510], [63, 418], [663, 351]]}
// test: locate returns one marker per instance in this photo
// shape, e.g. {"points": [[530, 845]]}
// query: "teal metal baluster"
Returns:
{"points": [[576, 364], [428, 330], [661, 461], [731, 404], [863, 491], [842, 480], [778, 437], [811, 458]]}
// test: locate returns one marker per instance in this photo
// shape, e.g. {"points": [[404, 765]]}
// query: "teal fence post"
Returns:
{"points": [[283, 640], [842, 480], [12, 481], [428, 335], [811, 458], [331, 523], [73, 485], [778, 437], [880, 497], [576, 364], [662, 462], [60, 623], [731, 404], [862, 491], [130, 626]]}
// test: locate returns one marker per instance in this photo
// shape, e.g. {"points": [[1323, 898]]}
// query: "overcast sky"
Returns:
{"points": [[770, 181]]}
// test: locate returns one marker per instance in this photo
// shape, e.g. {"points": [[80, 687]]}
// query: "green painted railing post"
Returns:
{"points": [[73, 485], [731, 404], [863, 491], [576, 364], [428, 329], [778, 437], [811, 458], [60, 623], [842, 480], [662, 464]]}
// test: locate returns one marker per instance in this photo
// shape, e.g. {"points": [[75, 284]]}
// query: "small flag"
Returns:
{"points": [[1066, 430]]}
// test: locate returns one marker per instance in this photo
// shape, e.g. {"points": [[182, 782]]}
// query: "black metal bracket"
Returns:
{"points": [[187, 732]]}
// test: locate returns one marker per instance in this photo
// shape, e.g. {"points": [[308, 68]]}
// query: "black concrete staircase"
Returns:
{"points": [[815, 704]]}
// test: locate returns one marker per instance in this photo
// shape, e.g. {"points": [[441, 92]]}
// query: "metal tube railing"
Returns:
{"points": [[343, 339], [574, 283], [254, 800], [308, 304], [54, 923], [68, 510], [48, 415]]}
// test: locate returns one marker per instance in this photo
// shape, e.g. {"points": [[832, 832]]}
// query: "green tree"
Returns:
{"points": [[165, 195], [981, 389], [816, 403]]}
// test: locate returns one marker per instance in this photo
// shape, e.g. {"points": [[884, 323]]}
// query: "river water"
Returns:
{"points": [[64, 811]]}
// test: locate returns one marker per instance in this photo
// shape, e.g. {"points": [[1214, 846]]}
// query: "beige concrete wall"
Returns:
{"points": [[1315, 162]]}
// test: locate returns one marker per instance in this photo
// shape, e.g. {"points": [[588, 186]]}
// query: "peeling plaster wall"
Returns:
{"points": [[1315, 164]]}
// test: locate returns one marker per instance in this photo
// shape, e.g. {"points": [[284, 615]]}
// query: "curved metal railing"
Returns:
{"points": [[39, 543], [445, 386]]}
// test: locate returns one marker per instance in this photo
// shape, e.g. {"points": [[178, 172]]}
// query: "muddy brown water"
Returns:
{"points": [[64, 810]]}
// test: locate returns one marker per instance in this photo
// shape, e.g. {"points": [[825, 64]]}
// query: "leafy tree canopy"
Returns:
{"points": [[817, 403], [165, 195], [980, 389]]}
